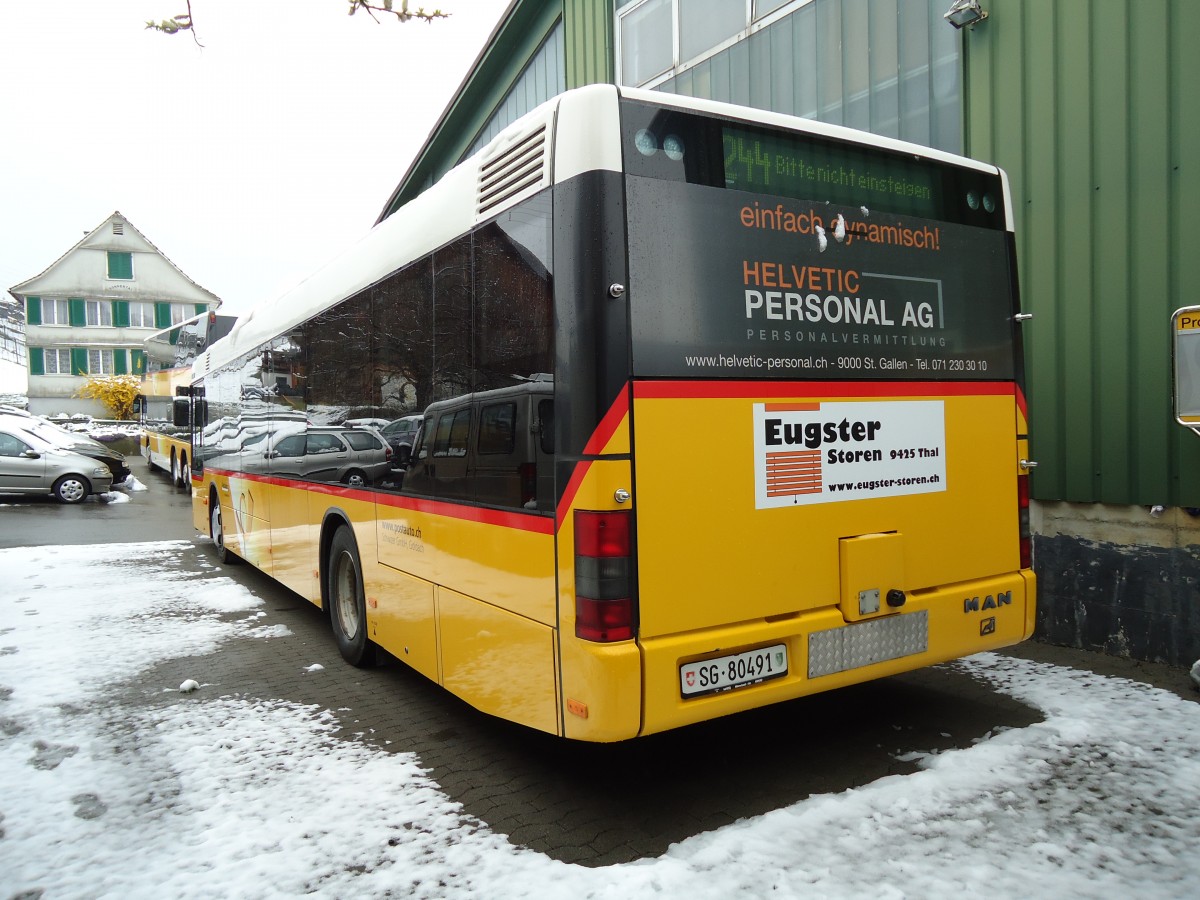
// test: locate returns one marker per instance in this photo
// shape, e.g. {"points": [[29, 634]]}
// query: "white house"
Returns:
{"points": [[89, 312]]}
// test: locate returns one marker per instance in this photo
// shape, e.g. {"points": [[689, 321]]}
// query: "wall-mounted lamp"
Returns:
{"points": [[965, 12]]}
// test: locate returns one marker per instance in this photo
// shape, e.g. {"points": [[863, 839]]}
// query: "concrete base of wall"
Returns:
{"points": [[1122, 580], [50, 406]]}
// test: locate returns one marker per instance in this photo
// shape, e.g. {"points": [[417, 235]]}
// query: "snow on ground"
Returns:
{"points": [[207, 795]]}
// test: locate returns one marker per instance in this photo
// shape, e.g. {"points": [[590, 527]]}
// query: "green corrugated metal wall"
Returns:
{"points": [[588, 31], [1090, 107]]}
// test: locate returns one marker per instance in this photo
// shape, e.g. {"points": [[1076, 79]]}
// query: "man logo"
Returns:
{"points": [[987, 626]]}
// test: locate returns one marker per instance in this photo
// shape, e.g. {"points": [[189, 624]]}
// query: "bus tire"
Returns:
{"points": [[216, 530], [347, 600], [183, 482]]}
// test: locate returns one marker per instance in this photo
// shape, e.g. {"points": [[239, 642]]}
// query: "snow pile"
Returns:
{"points": [[201, 795]]}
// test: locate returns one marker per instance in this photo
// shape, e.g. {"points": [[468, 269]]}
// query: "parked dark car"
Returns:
{"points": [[401, 435]]}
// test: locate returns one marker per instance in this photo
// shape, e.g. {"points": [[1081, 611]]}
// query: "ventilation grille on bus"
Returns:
{"points": [[514, 172]]}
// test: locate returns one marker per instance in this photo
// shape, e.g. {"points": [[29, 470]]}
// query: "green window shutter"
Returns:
{"points": [[78, 312], [162, 315], [37, 361], [174, 336], [121, 313], [138, 358], [79, 365], [201, 308], [120, 265], [33, 310], [120, 366]]}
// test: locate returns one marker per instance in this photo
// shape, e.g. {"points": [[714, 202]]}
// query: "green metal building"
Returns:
{"points": [[1085, 104]]}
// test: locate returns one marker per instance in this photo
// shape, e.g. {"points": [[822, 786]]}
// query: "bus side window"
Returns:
{"points": [[421, 448], [441, 437], [497, 429], [545, 413], [460, 430]]}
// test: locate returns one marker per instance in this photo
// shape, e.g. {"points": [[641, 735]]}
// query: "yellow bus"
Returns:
{"points": [[652, 411], [162, 407], [164, 445]]}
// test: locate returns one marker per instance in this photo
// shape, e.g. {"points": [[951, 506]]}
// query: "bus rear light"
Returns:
{"points": [[603, 534], [604, 621], [604, 606], [1026, 536]]}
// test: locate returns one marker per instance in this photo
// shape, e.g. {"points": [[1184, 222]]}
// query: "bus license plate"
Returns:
{"points": [[724, 673]]}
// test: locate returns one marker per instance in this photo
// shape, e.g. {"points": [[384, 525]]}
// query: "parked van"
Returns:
{"points": [[493, 447]]}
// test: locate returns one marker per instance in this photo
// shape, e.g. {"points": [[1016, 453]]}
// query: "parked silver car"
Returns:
{"points": [[29, 465], [57, 436], [356, 456]]}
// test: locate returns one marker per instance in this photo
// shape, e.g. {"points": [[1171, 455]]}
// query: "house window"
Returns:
{"points": [[57, 362], [100, 362], [657, 35], [120, 265], [56, 312], [705, 23], [647, 40], [762, 7], [141, 315], [179, 312], [805, 58], [99, 312]]}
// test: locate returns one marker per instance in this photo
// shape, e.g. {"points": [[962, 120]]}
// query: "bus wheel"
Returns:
{"points": [[347, 603], [185, 474], [216, 530], [174, 469]]}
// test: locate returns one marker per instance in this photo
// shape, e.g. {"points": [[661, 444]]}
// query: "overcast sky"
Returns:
{"points": [[249, 162]]}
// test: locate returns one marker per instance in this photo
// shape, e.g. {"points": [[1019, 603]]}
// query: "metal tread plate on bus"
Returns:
{"points": [[864, 643]]}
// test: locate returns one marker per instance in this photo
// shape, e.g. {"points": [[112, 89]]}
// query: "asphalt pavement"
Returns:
{"points": [[581, 803]]}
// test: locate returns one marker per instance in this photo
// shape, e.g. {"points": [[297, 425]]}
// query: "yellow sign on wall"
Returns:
{"points": [[1186, 346]]}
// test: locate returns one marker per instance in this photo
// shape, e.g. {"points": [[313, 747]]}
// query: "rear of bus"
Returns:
{"points": [[813, 472]]}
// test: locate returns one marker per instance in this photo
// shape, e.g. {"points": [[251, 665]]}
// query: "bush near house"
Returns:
{"points": [[116, 392]]}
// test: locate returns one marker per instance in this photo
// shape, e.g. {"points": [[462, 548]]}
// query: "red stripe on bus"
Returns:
{"points": [[573, 483], [485, 516], [608, 424], [519, 521], [726, 390]]}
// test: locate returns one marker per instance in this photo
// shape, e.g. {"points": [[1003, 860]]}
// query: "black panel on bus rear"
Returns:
{"points": [[591, 327]]}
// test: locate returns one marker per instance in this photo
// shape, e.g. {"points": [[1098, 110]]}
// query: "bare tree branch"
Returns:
{"points": [[185, 21], [403, 14], [177, 24]]}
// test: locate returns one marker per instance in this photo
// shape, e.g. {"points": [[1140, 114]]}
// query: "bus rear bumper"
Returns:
{"points": [[826, 652]]}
